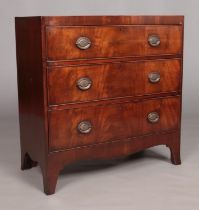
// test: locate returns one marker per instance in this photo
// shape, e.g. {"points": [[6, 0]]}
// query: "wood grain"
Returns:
{"points": [[110, 150], [112, 80], [112, 20], [121, 97], [112, 41], [31, 93], [111, 122]]}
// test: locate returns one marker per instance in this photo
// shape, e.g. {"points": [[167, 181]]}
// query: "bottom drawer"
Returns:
{"points": [[90, 125]]}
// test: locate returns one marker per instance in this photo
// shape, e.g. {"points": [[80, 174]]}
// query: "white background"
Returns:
{"points": [[147, 182]]}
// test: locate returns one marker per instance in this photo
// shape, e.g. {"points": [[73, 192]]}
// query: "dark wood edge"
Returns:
{"points": [[109, 101], [110, 25], [181, 80], [31, 73], [45, 82], [99, 61], [112, 20]]}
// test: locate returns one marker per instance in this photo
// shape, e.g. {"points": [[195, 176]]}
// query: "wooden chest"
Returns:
{"points": [[97, 88]]}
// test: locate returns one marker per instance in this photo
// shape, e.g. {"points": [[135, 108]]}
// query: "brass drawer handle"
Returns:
{"points": [[154, 77], [153, 117], [84, 127], [154, 40], [84, 83], [83, 43]]}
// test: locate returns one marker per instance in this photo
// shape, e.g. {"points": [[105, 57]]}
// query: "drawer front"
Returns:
{"points": [[83, 126], [65, 43], [94, 82]]}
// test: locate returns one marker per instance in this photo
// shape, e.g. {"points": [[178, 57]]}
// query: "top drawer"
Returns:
{"points": [[86, 42]]}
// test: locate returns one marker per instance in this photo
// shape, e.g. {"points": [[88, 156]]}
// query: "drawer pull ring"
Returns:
{"points": [[154, 77], [84, 127], [83, 43], [84, 83], [153, 117], [154, 40]]}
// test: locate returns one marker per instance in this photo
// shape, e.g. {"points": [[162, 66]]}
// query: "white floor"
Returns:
{"points": [[144, 181]]}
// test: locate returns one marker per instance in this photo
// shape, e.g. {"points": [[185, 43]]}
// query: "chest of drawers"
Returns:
{"points": [[97, 88]]}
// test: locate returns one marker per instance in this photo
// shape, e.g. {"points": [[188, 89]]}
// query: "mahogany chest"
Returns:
{"points": [[97, 87]]}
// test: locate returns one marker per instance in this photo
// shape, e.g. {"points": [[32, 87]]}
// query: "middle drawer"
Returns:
{"points": [[104, 81]]}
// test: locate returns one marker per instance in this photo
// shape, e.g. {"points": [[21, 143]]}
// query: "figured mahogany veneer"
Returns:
{"points": [[108, 80], [129, 98], [112, 41], [111, 121]]}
